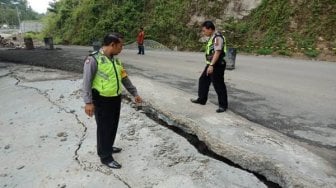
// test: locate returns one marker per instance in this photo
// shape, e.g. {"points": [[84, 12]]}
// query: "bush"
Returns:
{"points": [[273, 23], [164, 21], [264, 51], [33, 35], [311, 53], [285, 52]]}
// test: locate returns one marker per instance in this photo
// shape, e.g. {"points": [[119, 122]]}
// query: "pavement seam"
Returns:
{"points": [[83, 137], [90, 166], [193, 139], [45, 95], [3, 76]]}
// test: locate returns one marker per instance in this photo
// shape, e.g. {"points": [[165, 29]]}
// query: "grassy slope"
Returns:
{"points": [[287, 24]]}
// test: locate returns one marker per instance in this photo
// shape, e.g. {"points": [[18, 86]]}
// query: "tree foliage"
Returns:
{"points": [[8, 13], [82, 21], [274, 23]]}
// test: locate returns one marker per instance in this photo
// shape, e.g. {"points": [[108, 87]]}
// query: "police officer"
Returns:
{"points": [[214, 69], [103, 78]]}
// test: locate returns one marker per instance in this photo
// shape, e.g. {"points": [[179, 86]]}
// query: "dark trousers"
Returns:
{"points": [[141, 49], [107, 112], [217, 79]]}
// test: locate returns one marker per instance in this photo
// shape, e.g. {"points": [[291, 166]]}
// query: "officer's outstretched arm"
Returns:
{"points": [[131, 89]]}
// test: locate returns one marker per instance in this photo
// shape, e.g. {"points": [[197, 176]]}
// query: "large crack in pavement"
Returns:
{"points": [[84, 134], [201, 147], [240, 104], [156, 116], [5, 75], [71, 66], [45, 95]]}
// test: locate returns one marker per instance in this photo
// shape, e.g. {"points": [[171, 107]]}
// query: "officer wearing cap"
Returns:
{"points": [[214, 69], [103, 78]]}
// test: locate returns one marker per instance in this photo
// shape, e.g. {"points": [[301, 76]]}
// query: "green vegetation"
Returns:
{"points": [[81, 22], [285, 52], [8, 13], [287, 24], [34, 35], [264, 51], [283, 24], [311, 53]]}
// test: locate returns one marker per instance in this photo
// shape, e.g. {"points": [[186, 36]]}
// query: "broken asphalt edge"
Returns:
{"points": [[285, 163]]}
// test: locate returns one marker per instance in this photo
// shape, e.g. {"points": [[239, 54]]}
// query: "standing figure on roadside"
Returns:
{"points": [[214, 69], [140, 41], [103, 78]]}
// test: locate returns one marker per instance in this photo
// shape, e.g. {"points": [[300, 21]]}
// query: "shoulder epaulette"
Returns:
{"points": [[219, 34], [93, 53]]}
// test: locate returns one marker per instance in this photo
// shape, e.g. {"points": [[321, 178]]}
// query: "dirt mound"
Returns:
{"points": [[149, 45]]}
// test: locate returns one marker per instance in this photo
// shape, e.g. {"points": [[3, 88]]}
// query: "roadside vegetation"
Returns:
{"points": [[82, 22], [275, 27], [292, 26], [9, 10]]}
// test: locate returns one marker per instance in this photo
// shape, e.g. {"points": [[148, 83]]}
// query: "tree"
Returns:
{"points": [[8, 14]]}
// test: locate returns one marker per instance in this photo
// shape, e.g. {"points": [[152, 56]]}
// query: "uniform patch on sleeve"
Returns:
{"points": [[87, 61], [123, 73], [216, 42]]}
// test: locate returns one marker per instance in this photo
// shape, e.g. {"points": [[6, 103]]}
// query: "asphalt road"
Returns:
{"points": [[294, 97]]}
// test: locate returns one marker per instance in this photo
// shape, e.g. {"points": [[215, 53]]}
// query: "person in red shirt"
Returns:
{"points": [[140, 40]]}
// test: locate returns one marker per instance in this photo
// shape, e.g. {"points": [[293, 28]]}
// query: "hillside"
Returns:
{"points": [[269, 26], [288, 25]]}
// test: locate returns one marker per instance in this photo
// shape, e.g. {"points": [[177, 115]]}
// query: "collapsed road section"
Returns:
{"points": [[247, 144], [255, 148], [192, 139], [42, 127]]}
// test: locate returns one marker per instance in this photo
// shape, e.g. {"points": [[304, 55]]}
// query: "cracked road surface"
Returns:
{"points": [[294, 97], [47, 141]]}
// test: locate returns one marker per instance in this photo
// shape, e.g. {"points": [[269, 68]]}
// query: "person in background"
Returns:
{"points": [[214, 69], [140, 41]]}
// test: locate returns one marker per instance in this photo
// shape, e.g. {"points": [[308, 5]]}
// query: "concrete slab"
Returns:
{"points": [[250, 145], [48, 141]]}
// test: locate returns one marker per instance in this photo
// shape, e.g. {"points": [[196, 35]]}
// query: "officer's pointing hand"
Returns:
{"points": [[89, 109], [138, 99]]}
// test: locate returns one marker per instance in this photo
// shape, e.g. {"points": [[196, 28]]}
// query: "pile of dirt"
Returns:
{"points": [[6, 42], [149, 45]]}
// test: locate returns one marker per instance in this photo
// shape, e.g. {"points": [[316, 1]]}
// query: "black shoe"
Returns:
{"points": [[197, 101], [116, 150], [112, 164], [220, 110]]}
